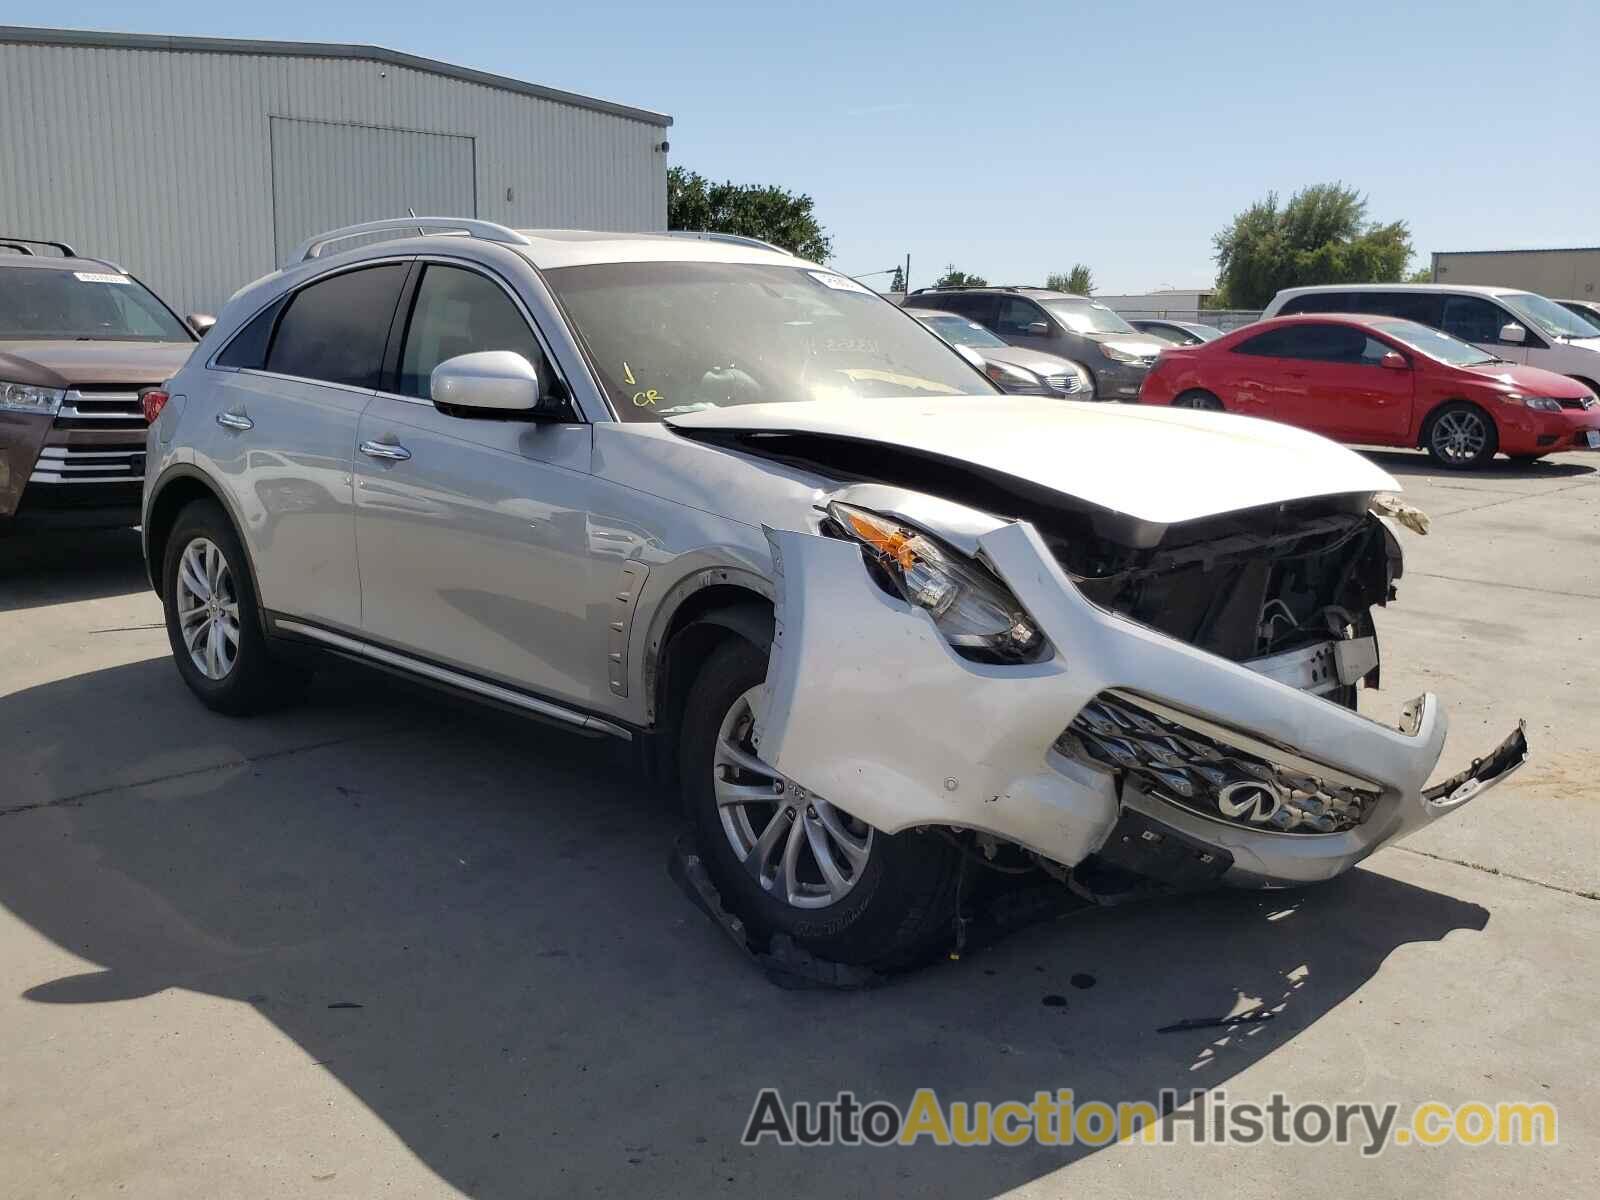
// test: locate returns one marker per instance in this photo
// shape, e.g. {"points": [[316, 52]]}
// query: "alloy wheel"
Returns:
{"points": [[798, 847], [208, 608], [1459, 436]]}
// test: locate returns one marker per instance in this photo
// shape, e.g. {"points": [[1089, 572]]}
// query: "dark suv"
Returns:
{"points": [[1116, 354], [80, 340]]}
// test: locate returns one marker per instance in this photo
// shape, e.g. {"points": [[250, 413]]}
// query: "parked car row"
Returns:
{"points": [[1460, 371], [880, 623]]}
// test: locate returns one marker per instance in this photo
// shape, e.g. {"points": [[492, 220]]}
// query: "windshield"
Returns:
{"points": [[1087, 316], [674, 337], [52, 303], [959, 330], [1548, 317], [1434, 344]]}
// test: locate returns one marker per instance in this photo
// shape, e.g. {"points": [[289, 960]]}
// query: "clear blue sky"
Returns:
{"points": [[1014, 139]]}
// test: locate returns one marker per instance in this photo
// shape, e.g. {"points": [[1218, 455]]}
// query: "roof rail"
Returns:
{"points": [[487, 230], [13, 240], [737, 239], [982, 287]]}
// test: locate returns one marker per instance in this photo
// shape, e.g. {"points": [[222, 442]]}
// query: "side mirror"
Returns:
{"points": [[1513, 333], [1394, 361], [490, 382], [201, 323], [1037, 329]]}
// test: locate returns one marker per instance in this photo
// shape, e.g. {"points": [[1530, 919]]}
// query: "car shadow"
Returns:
{"points": [[56, 568], [1417, 462], [467, 921]]}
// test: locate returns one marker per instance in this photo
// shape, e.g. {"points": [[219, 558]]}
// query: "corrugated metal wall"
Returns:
{"points": [[162, 160], [325, 175], [1560, 274]]}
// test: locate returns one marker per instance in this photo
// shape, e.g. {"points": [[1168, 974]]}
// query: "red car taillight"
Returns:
{"points": [[152, 402]]}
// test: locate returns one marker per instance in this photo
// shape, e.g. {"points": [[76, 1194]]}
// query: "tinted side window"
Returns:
{"points": [[335, 330], [249, 346], [1473, 319], [461, 312], [1315, 302], [1275, 343], [1016, 315]]}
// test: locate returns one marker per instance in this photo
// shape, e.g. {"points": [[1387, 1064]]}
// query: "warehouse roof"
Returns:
{"points": [[28, 35]]}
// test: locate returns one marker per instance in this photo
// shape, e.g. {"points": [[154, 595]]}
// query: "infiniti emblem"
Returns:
{"points": [[1252, 799]]}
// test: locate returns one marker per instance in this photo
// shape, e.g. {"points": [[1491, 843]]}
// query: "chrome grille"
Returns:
{"points": [[1065, 383], [1207, 776], [89, 464], [93, 408], [1586, 402]]}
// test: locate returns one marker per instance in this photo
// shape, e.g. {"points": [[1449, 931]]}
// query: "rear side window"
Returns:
{"points": [[1316, 302], [334, 330], [1322, 343], [248, 350], [461, 312]]}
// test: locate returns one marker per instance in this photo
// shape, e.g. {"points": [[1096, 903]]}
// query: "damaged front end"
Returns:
{"points": [[1181, 710]]}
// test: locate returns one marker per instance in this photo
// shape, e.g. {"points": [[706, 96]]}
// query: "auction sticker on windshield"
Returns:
{"points": [[100, 277], [839, 283]]}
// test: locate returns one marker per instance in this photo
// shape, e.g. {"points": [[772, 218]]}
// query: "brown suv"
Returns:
{"points": [[80, 340]]}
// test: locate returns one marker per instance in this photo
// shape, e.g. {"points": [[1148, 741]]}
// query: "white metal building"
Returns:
{"points": [[199, 163], [1568, 274]]}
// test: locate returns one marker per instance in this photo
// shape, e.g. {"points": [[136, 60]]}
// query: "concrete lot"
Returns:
{"points": [[190, 907]]}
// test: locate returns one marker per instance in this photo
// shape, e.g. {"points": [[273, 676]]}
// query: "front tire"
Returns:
{"points": [[1461, 436], [786, 861], [213, 619]]}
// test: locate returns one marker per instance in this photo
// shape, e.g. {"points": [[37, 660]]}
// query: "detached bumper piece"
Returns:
{"points": [[869, 706]]}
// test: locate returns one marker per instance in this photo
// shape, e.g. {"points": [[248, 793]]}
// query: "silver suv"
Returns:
{"points": [[876, 619], [1117, 355]]}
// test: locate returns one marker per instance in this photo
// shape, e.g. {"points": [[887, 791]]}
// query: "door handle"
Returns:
{"points": [[234, 420], [385, 450]]}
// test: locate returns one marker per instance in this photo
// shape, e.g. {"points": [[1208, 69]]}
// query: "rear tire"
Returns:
{"points": [[1460, 436], [1198, 398], [890, 901], [213, 619]]}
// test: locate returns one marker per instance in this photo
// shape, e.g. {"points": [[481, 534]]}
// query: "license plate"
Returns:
{"points": [[1592, 437]]}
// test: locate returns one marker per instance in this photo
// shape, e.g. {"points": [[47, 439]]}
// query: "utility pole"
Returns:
{"points": [[906, 278]]}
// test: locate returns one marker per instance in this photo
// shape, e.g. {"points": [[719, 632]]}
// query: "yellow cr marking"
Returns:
{"points": [[646, 398]]}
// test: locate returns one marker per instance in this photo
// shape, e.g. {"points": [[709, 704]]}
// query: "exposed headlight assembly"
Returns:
{"points": [[25, 398], [1537, 403], [977, 613]]}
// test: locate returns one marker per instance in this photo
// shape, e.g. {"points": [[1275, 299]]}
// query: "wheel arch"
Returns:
{"points": [[178, 487], [693, 615]]}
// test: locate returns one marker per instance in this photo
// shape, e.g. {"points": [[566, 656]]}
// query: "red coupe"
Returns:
{"points": [[1381, 381]]}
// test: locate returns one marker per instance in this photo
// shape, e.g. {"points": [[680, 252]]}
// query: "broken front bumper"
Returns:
{"points": [[869, 706]]}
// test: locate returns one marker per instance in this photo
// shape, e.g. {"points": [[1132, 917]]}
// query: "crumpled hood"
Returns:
{"points": [[59, 363], [1161, 465]]}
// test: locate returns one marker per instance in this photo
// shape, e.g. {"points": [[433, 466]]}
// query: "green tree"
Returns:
{"points": [[1078, 282], [897, 282], [955, 278], [764, 211], [1423, 274], [1321, 236]]}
